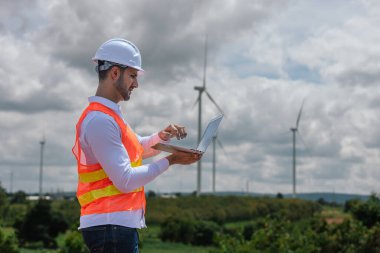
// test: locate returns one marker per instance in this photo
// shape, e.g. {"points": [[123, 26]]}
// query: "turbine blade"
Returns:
{"points": [[205, 62], [213, 101], [195, 103], [299, 114], [303, 142]]}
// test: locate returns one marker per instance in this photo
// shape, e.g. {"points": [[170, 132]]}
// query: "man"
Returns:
{"points": [[111, 176]]}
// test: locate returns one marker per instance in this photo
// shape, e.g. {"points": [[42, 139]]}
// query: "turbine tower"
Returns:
{"points": [[214, 141], [42, 143], [11, 183], [202, 89], [295, 130]]}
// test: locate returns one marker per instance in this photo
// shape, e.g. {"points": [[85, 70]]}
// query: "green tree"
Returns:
{"points": [[373, 240], [18, 198], [15, 213], [351, 204], [151, 194], [74, 243], [189, 231], [368, 212], [69, 209], [177, 230], [205, 232], [8, 244], [4, 202], [41, 224]]}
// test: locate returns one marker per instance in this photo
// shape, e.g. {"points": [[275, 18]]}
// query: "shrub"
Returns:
{"points": [[15, 212], [74, 243], [205, 232], [269, 235], [8, 243], [368, 212], [18, 198], [177, 230], [69, 209], [41, 224], [373, 240], [4, 203], [189, 231], [307, 236], [350, 205], [228, 208], [248, 231]]}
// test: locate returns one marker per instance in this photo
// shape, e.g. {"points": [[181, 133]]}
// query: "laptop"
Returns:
{"points": [[208, 134]]}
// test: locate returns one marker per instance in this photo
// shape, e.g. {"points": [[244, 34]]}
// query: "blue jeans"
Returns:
{"points": [[111, 239]]}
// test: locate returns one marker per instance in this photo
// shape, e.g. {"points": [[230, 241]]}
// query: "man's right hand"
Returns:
{"points": [[173, 130], [183, 158]]}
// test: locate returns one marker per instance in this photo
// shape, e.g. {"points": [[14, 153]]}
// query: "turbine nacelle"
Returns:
{"points": [[200, 88]]}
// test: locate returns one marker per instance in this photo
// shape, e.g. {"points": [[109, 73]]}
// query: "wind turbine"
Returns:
{"points": [[294, 130], [42, 143], [202, 89], [214, 141], [11, 182]]}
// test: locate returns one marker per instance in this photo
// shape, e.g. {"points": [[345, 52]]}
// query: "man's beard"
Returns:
{"points": [[125, 94]]}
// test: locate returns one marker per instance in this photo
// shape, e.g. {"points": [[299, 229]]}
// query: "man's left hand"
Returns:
{"points": [[173, 130]]}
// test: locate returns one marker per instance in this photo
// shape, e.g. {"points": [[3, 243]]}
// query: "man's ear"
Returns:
{"points": [[114, 73]]}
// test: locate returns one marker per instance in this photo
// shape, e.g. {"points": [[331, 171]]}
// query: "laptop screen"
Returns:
{"points": [[210, 132]]}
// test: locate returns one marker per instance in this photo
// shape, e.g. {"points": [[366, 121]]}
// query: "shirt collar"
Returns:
{"points": [[110, 104]]}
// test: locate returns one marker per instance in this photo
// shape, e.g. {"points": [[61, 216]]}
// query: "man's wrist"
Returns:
{"points": [[170, 159], [163, 136]]}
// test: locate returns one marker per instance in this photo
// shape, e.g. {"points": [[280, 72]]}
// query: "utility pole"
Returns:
{"points": [[42, 143]]}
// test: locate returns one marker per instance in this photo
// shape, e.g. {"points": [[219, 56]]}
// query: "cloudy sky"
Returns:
{"points": [[264, 59]]}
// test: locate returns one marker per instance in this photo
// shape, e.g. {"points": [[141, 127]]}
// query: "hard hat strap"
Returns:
{"points": [[104, 65]]}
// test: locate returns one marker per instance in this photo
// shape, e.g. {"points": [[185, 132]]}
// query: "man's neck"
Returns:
{"points": [[104, 91]]}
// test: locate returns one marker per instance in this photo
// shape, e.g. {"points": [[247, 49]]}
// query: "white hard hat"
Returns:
{"points": [[119, 51]]}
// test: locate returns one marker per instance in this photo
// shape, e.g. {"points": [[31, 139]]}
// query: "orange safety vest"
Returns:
{"points": [[95, 192]]}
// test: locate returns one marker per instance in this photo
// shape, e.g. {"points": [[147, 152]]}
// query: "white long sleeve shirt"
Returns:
{"points": [[100, 140]]}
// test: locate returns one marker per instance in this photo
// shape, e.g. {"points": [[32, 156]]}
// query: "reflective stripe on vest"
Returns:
{"points": [[89, 177], [96, 192], [107, 191]]}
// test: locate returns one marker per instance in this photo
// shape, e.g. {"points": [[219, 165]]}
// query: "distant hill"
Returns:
{"points": [[338, 198]]}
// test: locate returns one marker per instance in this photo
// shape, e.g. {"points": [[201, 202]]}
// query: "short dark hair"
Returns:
{"points": [[103, 73]]}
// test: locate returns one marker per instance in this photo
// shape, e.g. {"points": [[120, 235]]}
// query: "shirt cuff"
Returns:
{"points": [[157, 139], [162, 164]]}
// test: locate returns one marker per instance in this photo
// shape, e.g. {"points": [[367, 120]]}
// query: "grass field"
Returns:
{"points": [[334, 215], [37, 251]]}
